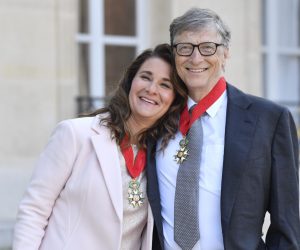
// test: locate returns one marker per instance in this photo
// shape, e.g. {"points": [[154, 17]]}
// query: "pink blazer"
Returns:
{"points": [[74, 199]]}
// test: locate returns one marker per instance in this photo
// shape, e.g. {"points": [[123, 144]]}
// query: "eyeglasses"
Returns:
{"points": [[205, 49]]}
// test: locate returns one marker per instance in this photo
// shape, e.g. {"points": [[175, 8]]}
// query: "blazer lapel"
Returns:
{"points": [[239, 131], [108, 157], [153, 194]]}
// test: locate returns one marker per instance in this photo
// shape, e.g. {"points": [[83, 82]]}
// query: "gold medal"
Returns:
{"points": [[182, 153], [135, 196], [135, 166]]}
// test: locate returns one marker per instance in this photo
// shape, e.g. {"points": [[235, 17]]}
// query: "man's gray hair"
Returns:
{"points": [[196, 19]]}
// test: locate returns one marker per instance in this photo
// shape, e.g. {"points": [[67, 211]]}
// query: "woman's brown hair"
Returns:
{"points": [[119, 109]]}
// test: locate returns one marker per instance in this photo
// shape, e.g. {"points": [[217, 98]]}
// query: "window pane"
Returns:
{"points": [[288, 89], [83, 102], [297, 22], [264, 22], [120, 17], [288, 23], [264, 76], [83, 16], [83, 63], [117, 59], [294, 108]]}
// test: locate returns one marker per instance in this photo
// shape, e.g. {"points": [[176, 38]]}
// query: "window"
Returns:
{"points": [[111, 33], [281, 53]]}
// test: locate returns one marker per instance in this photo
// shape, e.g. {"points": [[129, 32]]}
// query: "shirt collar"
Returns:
{"points": [[213, 109]]}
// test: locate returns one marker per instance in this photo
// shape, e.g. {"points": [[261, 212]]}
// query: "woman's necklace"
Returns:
{"points": [[134, 168], [187, 119]]}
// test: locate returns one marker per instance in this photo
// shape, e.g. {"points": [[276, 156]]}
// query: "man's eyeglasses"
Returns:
{"points": [[205, 49]]}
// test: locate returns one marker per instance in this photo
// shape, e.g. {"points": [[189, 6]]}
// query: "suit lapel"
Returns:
{"points": [[153, 194], [108, 157], [239, 131]]}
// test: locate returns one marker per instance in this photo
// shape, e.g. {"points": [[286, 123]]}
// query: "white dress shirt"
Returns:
{"points": [[209, 184]]}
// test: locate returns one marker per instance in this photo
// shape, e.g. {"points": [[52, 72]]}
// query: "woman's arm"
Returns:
{"points": [[52, 170]]}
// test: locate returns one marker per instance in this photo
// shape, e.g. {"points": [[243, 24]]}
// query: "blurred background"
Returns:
{"points": [[62, 57]]}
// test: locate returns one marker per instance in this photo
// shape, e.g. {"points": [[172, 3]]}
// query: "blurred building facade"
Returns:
{"points": [[61, 57]]}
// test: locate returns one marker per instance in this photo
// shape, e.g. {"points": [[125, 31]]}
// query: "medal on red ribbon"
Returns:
{"points": [[134, 168], [186, 119]]}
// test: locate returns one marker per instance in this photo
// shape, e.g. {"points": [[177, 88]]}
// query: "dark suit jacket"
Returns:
{"points": [[260, 173]]}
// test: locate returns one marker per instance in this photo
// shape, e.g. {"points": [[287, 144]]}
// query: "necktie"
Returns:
{"points": [[186, 221]]}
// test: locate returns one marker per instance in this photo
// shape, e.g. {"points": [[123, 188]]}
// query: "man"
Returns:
{"points": [[247, 159]]}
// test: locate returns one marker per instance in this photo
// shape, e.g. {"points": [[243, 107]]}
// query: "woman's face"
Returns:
{"points": [[151, 92]]}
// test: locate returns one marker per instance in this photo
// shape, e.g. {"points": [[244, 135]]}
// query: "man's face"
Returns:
{"points": [[200, 73]]}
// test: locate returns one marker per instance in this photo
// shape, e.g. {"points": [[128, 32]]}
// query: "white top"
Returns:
{"points": [[210, 179], [134, 218]]}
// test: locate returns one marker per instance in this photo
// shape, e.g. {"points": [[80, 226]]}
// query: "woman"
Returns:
{"points": [[87, 191]]}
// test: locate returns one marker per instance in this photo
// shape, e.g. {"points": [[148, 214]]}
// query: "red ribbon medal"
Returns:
{"points": [[187, 119], [134, 168]]}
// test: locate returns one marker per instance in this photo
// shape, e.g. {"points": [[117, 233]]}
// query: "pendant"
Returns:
{"points": [[182, 153], [135, 196]]}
